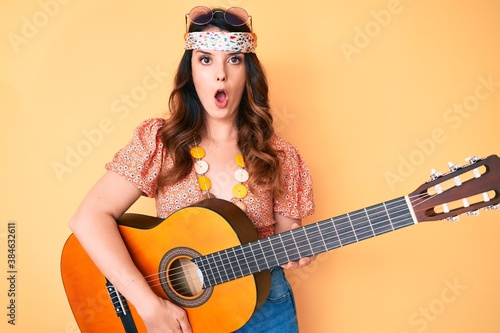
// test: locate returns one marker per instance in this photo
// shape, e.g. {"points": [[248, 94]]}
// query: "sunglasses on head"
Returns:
{"points": [[235, 16]]}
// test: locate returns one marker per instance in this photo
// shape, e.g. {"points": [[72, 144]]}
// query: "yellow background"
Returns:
{"points": [[369, 91]]}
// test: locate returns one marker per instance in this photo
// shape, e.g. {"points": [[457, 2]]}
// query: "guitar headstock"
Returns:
{"points": [[465, 189]]}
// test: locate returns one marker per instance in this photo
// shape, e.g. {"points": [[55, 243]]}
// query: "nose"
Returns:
{"points": [[220, 73]]}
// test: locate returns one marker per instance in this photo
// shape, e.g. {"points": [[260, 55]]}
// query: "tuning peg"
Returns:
{"points": [[465, 202], [473, 213], [452, 218], [491, 207], [486, 197], [473, 159], [435, 174], [454, 167]]}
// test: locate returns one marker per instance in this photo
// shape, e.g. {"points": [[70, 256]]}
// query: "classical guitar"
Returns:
{"points": [[208, 259]]}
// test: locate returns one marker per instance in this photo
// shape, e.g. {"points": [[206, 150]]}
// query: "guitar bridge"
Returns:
{"points": [[121, 308]]}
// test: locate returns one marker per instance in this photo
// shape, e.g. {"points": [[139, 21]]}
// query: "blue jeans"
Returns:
{"points": [[277, 314]]}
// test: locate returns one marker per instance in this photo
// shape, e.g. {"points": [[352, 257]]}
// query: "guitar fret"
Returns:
{"points": [[227, 263], [378, 219], [263, 254], [361, 224], [332, 221], [213, 269], [345, 232], [216, 267], [221, 268], [370, 222], [295, 246], [258, 255], [321, 235], [252, 261], [314, 239], [273, 259], [308, 240], [278, 249], [352, 226], [329, 235], [400, 216], [283, 247], [237, 267], [303, 245], [290, 246], [242, 261], [388, 216], [212, 276]]}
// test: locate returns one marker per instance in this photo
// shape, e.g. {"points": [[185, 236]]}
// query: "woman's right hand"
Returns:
{"points": [[162, 316]]}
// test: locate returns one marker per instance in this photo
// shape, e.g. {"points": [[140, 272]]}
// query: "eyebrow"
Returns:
{"points": [[201, 51]]}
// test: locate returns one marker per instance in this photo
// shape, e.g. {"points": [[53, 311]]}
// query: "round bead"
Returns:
{"points": [[205, 183], [239, 160], [241, 175], [200, 167], [197, 152], [240, 191]]}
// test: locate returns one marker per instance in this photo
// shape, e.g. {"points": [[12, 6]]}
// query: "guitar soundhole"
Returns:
{"points": [[181, 279], [185, 278]]}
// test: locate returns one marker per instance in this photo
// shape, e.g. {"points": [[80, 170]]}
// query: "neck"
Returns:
{"points": [[220, 133]]}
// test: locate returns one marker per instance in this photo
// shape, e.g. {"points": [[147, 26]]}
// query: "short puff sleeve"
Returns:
{"points": [[140, 161], [298, 201]]}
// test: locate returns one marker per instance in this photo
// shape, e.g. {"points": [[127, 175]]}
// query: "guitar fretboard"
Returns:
{"points": [[316, 238]]}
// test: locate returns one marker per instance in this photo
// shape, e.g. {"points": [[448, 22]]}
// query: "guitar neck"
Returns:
{"points": [[316, 238]]}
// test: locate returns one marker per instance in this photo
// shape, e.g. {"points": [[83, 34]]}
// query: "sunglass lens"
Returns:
{"points": [[236, 16], [200, 15]]}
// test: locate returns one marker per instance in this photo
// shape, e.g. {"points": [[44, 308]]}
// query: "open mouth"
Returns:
{"points": [[221, 98]]}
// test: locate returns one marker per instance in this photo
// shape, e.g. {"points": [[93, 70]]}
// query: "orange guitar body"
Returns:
{"points": [[210, 227]]}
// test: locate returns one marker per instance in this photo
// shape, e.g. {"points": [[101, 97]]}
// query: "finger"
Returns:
{"points": [[185, 326], [303, 262], [306, 261], [290, 265]]}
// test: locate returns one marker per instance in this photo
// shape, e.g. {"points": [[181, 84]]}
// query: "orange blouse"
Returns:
{"points": [[142, 159]]}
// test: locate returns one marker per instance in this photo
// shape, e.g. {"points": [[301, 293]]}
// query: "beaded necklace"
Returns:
{"points": [[240, 191]]}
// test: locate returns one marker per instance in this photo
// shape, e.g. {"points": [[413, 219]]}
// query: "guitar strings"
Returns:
{"points": [[218, 262], [218, 265]]}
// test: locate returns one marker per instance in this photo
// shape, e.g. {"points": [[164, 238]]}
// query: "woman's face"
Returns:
{"points": [[219, 79]]}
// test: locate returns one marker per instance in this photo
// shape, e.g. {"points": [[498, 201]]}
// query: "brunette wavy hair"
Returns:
{"points": [[254, 120]]}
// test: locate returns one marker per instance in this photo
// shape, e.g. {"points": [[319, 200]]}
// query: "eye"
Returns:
{"points": [[235, 59], [205, 60]]}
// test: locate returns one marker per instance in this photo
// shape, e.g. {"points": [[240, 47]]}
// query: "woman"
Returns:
{"points": [[220, 126]]}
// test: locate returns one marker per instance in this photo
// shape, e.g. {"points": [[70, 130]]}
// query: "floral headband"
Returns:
{"points": [[244, 42]]}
